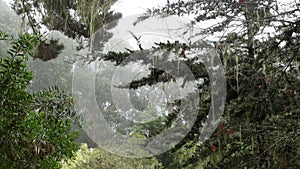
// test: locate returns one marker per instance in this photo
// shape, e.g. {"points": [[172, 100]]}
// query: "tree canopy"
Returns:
{"points": [[257, 43], [259, 48]]}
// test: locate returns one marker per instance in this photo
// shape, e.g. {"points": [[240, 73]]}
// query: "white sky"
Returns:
{"points": [[134, 7]]}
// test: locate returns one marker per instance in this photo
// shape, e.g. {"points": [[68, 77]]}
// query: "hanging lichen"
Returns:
{"points": [[48, 50], [76, 19], [94, 14]]}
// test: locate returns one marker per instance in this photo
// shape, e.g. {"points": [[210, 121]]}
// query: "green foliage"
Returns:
{"points": [[35, 128], [79, 20], [98, 158], [260, 126], [262, 73]]}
